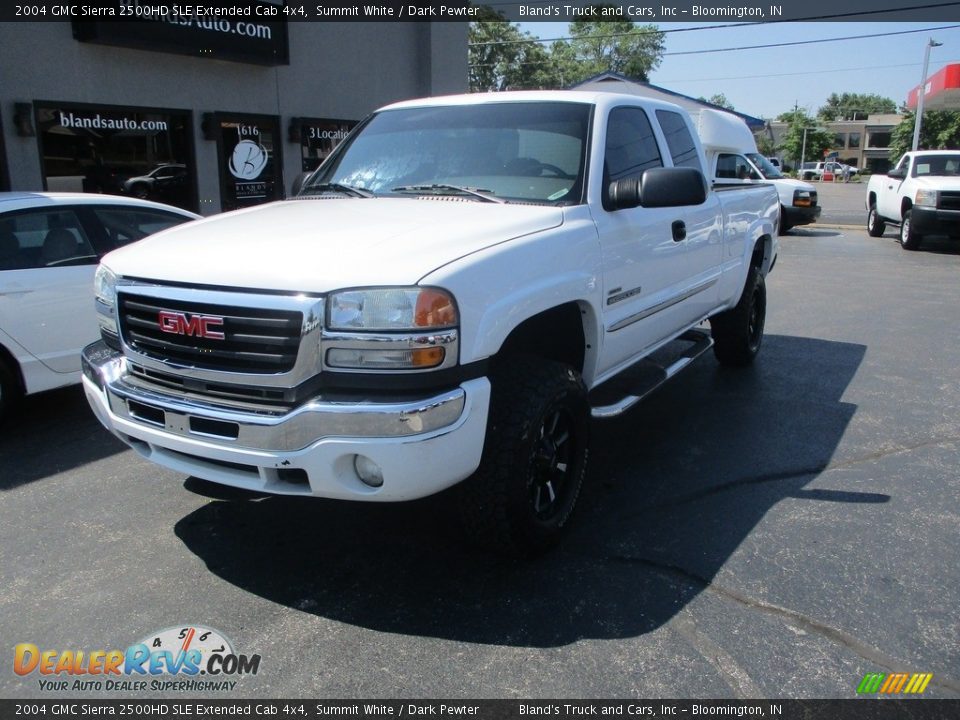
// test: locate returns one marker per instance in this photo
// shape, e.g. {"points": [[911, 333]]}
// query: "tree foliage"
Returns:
{"points": [[792, 142], [718, 99], [501, 57], [854, 106], [940, 129]]}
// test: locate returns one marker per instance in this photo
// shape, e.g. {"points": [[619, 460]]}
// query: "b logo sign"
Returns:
{"points": [[248, 160]]}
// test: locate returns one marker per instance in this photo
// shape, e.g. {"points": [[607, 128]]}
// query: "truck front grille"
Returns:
{"points": [[212, 337], [949, 200]]}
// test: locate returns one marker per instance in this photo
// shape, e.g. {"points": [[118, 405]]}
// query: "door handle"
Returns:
{"points": [[679, 229]]}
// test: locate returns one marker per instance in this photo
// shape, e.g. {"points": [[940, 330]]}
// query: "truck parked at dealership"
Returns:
{"points": [[732, 157], [921, 194], [448, 301]]}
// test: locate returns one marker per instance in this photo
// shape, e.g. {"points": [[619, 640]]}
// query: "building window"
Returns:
{"points": [[318, 138], [840, 140], [140, 152], [251, 171], [854, 140], [878, 140]]}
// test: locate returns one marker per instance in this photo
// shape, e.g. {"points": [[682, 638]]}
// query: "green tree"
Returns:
{"points": [[607, 44], [501, 57], [792, 142], [940, 130], [854, 106], [718, 99]]}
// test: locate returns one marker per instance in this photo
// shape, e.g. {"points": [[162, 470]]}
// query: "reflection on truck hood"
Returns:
{"points": [[319, 244], [938, 182]]}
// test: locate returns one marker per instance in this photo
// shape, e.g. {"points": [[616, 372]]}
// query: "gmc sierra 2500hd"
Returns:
{"points": [[446, 301]]}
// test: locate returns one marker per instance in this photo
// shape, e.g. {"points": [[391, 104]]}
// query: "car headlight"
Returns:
{"points": [[927, 198], [105, 292], [802, 198], [390, 309], [407, 328]]}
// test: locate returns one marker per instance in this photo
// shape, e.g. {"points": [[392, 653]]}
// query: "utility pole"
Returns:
{"points": [[918, 121]]}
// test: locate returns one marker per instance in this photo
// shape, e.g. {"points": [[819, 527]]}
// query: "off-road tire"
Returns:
{"points": [[520, 499], [909, 240], [738, 333], [875, 224]]}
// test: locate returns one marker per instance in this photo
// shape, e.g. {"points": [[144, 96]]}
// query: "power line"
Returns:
{"points": [[766, 46], [808, 72], [812, 18]]}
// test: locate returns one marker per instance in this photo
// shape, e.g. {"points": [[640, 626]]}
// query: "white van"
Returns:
{"points": [[732, 159]]}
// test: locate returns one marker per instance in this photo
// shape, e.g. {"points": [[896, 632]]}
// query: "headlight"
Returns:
{"points": [[105, 292], [391, 309], [391, 329], [927, 198], [802, 198]]}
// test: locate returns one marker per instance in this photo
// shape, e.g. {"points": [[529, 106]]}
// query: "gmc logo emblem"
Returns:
{"points": [[204, 326]]}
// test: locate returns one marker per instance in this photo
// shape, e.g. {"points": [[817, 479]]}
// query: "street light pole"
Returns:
{"points": [[918, 121], [803, 151]]}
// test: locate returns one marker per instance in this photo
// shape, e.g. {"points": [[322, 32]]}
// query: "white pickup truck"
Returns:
{"points": [[446, 301], [921, 194]]}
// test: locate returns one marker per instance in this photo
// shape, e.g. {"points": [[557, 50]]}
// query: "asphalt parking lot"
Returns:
{"points": [[775, 532]]}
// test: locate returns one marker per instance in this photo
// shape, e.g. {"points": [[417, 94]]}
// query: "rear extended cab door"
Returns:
{"points": [[660, 265]]}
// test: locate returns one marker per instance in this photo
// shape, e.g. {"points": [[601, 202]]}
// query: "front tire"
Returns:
{"points": [[783, 226], [738, 333], [875, 224], [909, 240], [10, 392], [520, 499]]}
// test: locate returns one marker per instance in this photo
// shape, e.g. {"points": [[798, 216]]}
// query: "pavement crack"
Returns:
{"points": [[865, 651]]}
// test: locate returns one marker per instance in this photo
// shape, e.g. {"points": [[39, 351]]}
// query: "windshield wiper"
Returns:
{"points": [[444, 189], [337, 187]]}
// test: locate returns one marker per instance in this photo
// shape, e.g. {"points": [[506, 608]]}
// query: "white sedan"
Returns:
{"points": [[50, 244]]}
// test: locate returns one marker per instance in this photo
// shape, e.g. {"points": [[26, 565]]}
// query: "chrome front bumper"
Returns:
{"points": [[321, 438]]}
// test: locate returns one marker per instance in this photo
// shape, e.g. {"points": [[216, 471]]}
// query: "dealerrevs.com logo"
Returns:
{"points": [[188, 658]]}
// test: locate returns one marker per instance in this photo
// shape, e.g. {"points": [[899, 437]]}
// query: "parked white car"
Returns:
{"points": [[50, 244]]}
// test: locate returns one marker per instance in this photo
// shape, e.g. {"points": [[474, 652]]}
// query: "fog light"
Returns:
{"points": [[368, 470]]}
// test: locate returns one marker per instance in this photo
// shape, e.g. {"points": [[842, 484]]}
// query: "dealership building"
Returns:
{"points": [[206, 115]]}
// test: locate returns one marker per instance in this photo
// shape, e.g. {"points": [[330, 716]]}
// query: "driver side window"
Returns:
{"points": [[44, 238]]}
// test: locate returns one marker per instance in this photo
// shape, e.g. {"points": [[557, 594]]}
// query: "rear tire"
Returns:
{"points": [[875, 224], [520, 499], [738, 333], [909, 240]]}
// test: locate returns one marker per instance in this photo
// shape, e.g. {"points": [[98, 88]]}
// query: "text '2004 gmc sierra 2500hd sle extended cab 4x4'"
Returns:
{"points": [[446, 301]]}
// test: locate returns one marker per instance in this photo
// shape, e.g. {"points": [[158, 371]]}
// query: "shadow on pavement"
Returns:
{"points": [[50, 433], [674, 489]]}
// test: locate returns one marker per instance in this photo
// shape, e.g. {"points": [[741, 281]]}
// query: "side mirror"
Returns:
{"points": [[897, 173], [298, 183], [659, 187]]}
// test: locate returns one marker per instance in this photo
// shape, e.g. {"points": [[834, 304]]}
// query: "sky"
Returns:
{"points": [[769, 81]]}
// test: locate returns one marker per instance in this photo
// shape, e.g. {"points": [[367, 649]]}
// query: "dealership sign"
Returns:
{"points": [[244, 31]]}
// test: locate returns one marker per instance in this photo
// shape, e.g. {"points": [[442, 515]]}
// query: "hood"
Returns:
{"points": [[318, 244], [793, 184], [938, 182]]}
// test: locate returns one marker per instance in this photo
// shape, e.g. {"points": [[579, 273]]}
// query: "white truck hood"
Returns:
{"points": [[318, 244], [938, 182]]}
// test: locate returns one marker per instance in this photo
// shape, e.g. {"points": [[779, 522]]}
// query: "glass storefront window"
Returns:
{"points": [[251, 171], [146, 153], [318, 138]]}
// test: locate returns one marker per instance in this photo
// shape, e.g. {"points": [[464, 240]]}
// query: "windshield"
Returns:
{"points": [[766, 168], [512, 151], [936, 165]]}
